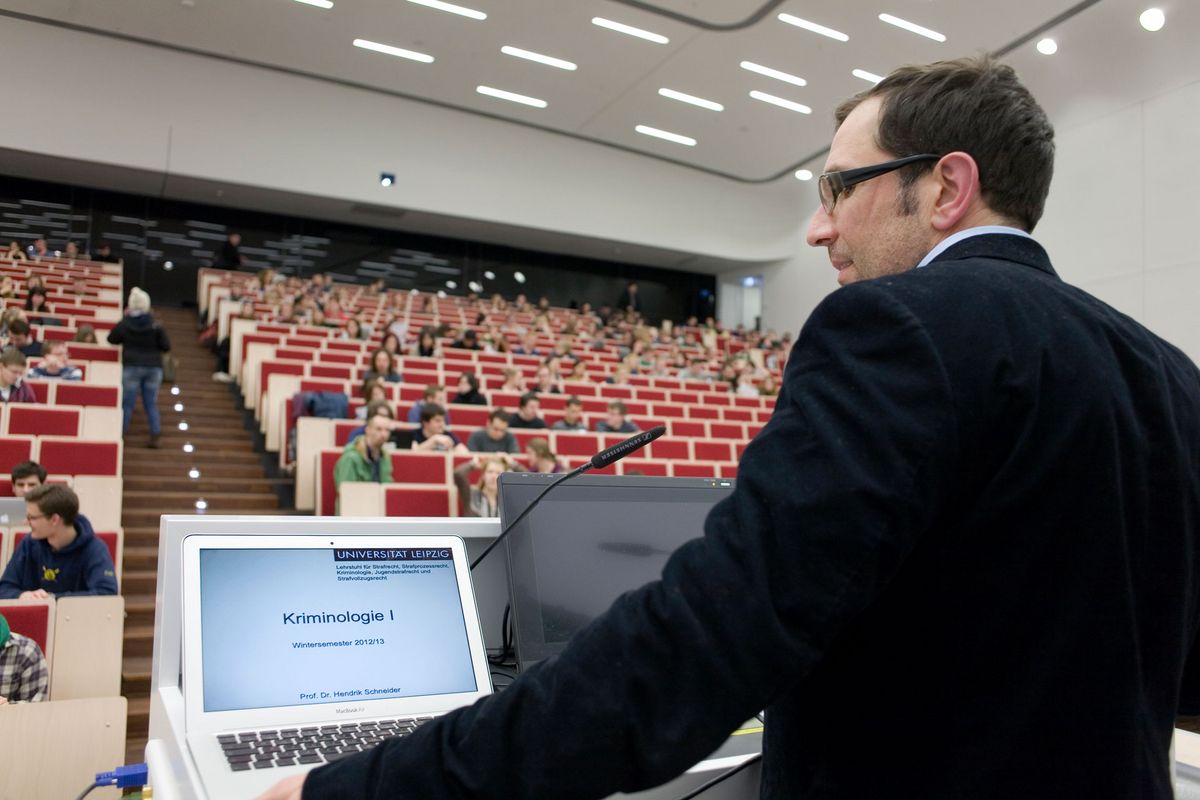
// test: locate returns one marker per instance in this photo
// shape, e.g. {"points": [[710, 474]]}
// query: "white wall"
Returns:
{"points": [[1120, 222], [1123, 210], [169, 112]]}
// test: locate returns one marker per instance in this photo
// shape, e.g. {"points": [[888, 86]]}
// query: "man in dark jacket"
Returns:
{"points": [[144, 342], [62, 556], [961, 557]]}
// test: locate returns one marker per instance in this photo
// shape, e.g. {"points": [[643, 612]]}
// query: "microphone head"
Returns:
{"points": [[622, 449]]}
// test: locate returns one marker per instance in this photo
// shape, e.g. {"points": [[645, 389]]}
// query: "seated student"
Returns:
{"points": [[434, 393], [468, 391], [469, 341], [36, 306], [382, 367], [545, 382], [54, 364], [363, 458], [62, 556], [528, 345], [85, 334], [482, 499], [541, 457], [514, 381], [24, 677], [13, 388], [527, 413], [572, 416], [615, 421], [432, 435], [21, 338], [373, 390], [26, 476], [374, 409], [494, 437]]}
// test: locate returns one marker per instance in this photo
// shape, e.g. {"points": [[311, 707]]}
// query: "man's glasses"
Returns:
{"points": [[831, 185]]}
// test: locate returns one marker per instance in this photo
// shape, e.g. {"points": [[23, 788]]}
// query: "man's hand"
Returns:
{"points": [[286, 789], [34, 594]]}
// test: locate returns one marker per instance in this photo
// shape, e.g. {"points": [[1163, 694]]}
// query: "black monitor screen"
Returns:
{"points": [[589, 541]]}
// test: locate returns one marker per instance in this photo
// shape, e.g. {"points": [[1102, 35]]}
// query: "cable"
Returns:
{"points": [[88, 791], [729, 773]]}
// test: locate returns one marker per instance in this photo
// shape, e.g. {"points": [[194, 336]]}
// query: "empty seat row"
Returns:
{"points": [[96, 422], [62, 455]]}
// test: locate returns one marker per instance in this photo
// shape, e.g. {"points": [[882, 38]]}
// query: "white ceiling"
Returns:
{"points": [[1104, 59]]}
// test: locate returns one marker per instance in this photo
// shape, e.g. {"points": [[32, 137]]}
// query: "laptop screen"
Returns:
{"points": [[589, 541], [303, 626]]}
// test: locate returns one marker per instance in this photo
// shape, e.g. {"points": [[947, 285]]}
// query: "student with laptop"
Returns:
{"points": [[960, 560], [61, 556]]}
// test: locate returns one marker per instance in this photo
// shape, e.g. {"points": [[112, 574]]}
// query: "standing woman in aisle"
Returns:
{"points": [[144, 343]]}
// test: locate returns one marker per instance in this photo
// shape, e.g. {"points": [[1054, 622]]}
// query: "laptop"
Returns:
{"points": [[588, 542], [299, 650], [12, 510]]}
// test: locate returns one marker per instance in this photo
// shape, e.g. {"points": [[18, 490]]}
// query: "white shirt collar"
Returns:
{"points": [[955, 238]]}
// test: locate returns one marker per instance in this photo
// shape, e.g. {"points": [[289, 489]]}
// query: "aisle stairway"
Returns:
{"points": [[232, 480]]}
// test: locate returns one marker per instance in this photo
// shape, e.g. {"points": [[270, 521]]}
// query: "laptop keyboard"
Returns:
{"points": [[312, 745]]}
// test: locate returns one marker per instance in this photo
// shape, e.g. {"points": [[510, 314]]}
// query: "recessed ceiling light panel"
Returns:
{"points": [[450, 8], [399, 52], [317, 3], [529, 55], [658, 133], [1153, 19], [814, 27], [778, 75], [866, 76], [511, 97], [799, 108], [691, 99], [629, 30], [912, 27]]}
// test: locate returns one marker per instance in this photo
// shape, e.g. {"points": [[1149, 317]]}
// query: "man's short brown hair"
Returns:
{"points": [[12, 357], [973, 105], [52, 498]]}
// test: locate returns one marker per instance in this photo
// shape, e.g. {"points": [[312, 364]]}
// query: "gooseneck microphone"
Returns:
{"points": [[598, 461]]}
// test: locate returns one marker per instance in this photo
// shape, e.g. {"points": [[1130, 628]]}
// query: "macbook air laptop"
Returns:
{"points": [[299, 650], [12, 510]]}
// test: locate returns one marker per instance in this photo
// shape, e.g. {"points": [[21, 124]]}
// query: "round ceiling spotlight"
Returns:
{"points": [[804, 175], [386, 179], [1047, 47], [491, 276], [519, 277], [475, 286], [1153, 19], [451, 284]]}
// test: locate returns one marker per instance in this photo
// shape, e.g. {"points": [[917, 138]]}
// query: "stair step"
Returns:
{"points": [[233, 501], [205, 484], [139, 581], [140, 556], [139, 610], [139, 641]]}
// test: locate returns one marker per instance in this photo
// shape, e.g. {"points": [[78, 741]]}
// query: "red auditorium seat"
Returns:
{"points": [[703, 412], [337, 371], [712, 451], [747, 402], [467, 417], [39, 421], [418, 501], [692, 469], [671, 449], [646, 466], [577, 444], [739, 414], [83, 394], [729, 470], [342, 429], [697, 429], [657, 395], [41, 390], [326, 491], [29, 619], [79, 456], [726, 430], [93, 352], [410, 466], [523, 435]]}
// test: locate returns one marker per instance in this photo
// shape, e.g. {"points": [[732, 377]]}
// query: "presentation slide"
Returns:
{"points": [[303, 626]]}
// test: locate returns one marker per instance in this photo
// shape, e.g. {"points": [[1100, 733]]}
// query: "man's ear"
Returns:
{"points": [[959, 191]]}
